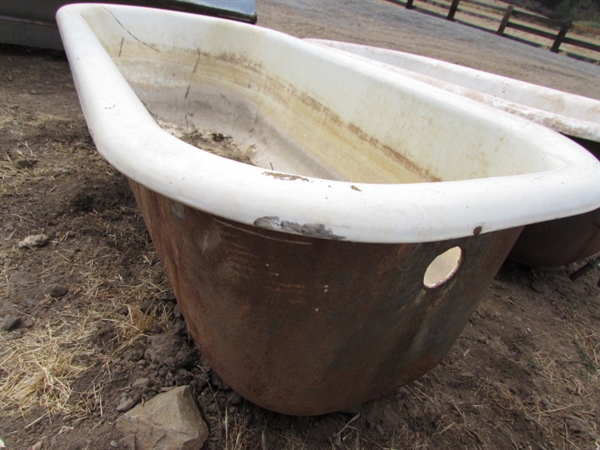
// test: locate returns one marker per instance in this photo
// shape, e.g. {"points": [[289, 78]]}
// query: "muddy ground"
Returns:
{"points": [[89, 323]]}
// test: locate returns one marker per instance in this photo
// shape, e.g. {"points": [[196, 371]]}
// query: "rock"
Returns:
{"points": [[233, 398], [146, 306], [171, 350], [182, 377], [141, 382], [482, 339], [381, 417], [199, 384], [403, 392], [59, 291], [25, 163], [13, 336], [538, 286], [126, 404], [390, 419], [212, 409], [218, 383], [34, 240], [135, 354], [180, 328], [168, 421], [128, 441], [167, 296], [176, 312], [10, 322], [577, 425], [28, 322]]}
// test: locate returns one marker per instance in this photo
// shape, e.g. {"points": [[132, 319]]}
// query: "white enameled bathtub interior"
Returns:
{"points": [[310, 116], [216, 77]]}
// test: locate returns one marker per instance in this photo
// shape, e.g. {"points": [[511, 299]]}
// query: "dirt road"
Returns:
{"points": [[384, 24]]}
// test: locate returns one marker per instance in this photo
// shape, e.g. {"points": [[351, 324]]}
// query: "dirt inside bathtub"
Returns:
{"points": [[87, 313], [211, 141]]}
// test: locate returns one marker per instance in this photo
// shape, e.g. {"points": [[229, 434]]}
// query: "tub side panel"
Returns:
{"points": [[559, 242], [307, 326]]}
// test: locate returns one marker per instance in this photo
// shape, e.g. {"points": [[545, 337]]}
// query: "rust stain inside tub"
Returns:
{"points": [[314, 141]]}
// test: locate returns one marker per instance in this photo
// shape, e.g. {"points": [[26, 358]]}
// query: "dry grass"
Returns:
{"points": [[571, 370], [38, 367], [39, 364], [588, 347]]}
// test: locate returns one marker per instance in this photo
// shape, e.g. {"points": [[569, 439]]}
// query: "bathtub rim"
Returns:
{"points": [[362, 212]]}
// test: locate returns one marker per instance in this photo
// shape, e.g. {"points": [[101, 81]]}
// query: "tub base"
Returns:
{"points": [[307, 326]]}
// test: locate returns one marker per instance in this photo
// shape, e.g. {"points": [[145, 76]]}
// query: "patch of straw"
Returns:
{"points": [[588, 347], [37, 368]]}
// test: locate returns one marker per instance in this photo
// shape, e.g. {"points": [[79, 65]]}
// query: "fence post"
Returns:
{"points": [[453, 8], [409, 4], [560, 37], [505, 19]]}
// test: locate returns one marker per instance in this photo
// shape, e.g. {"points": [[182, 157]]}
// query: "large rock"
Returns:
{"points": [[169, 421]]}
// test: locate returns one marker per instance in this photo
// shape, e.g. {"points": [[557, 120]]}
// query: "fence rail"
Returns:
{"points": [[505, 20]]}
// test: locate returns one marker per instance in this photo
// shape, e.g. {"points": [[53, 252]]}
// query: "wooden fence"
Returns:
{"points": [[506, 20]]}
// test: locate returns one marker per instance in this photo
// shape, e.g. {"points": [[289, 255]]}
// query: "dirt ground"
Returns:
{"points": [[89, 324]]}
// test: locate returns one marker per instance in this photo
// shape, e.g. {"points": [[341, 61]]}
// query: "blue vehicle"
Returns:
{"points": [[32, 22]]}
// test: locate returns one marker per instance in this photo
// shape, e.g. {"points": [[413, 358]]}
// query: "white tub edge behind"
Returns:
{"points": [[564, 112], [132, 142]]}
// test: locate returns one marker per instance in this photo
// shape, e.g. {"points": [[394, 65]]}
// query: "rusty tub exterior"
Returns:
{"points": [[303, 325], [562, 241], [558, 242], [346, 259]]}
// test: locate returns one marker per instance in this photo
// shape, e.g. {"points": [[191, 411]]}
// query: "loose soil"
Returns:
{"points": [[87, 310]]}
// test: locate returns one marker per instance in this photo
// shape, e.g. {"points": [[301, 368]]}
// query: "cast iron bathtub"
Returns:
{"points": [[347, 259]]}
